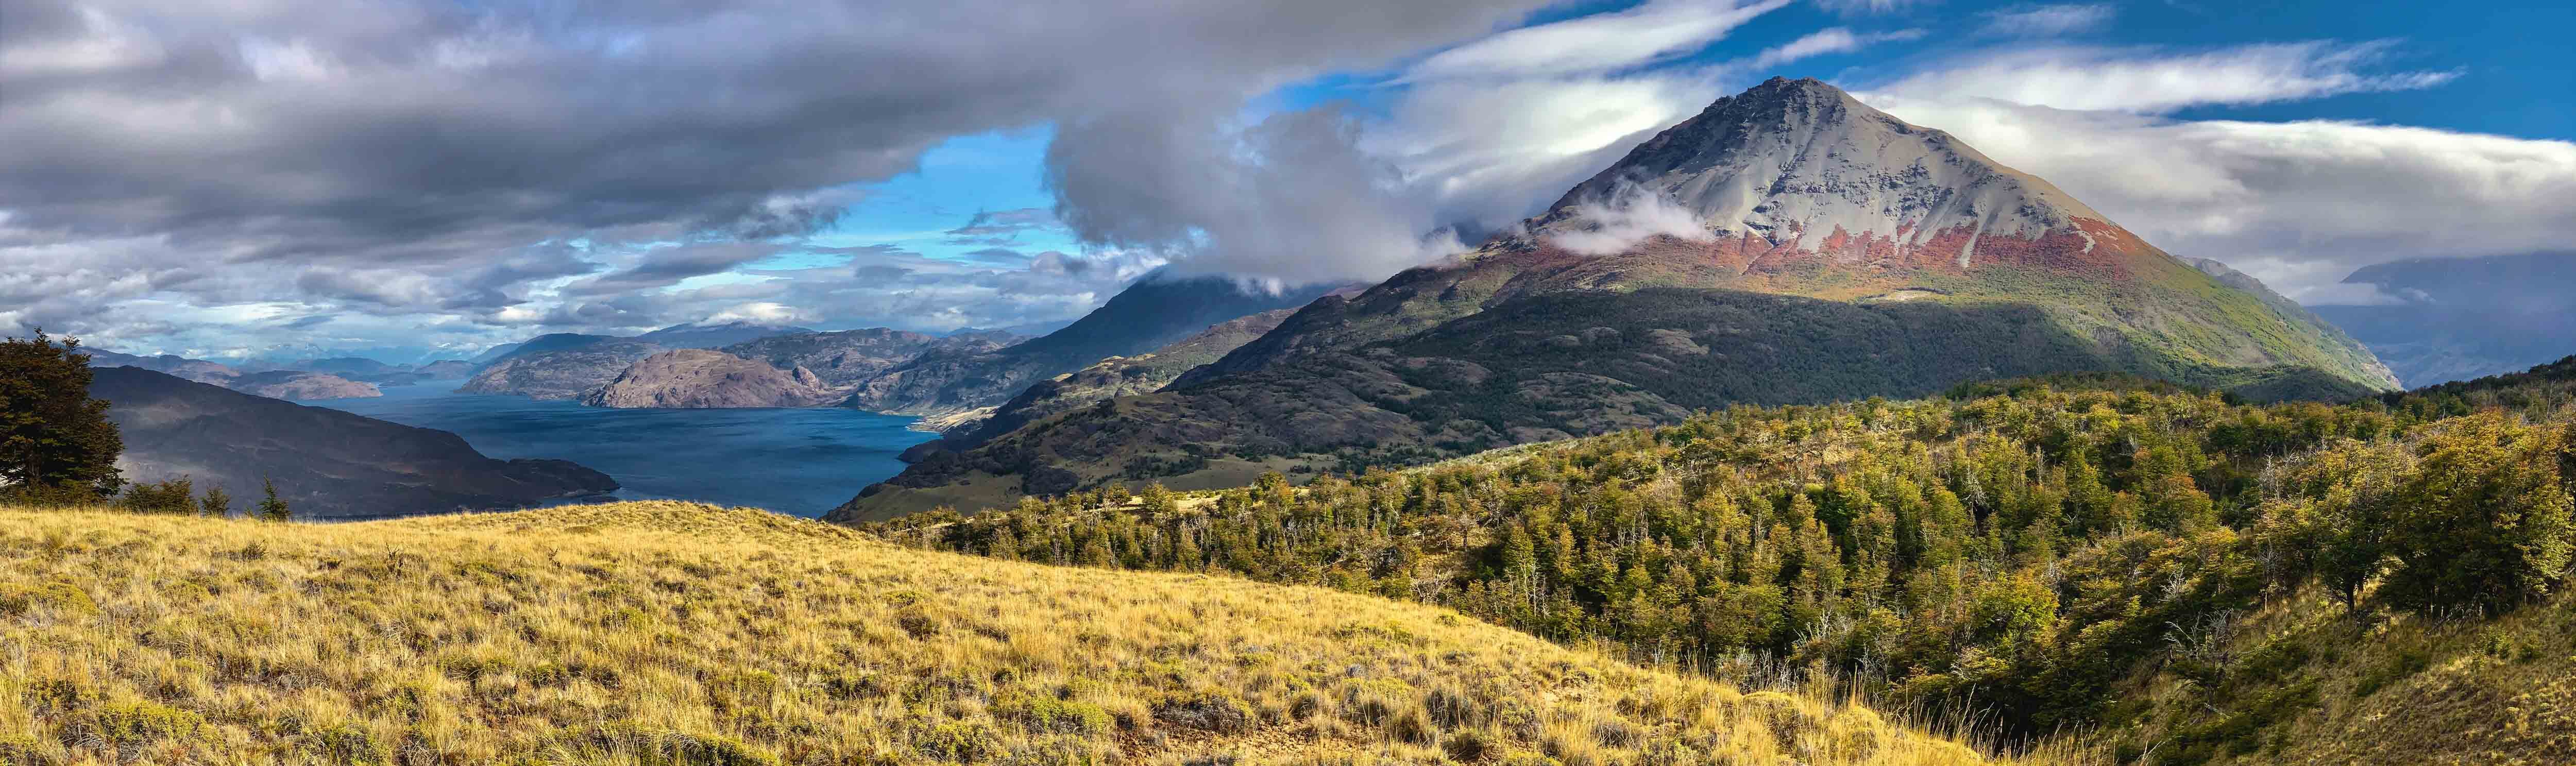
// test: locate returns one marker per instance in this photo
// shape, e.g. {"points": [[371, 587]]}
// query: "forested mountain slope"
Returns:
{"points": [[2168, 570]]}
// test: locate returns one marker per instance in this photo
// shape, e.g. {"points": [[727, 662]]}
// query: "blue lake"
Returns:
{"points": [[797, 461]]}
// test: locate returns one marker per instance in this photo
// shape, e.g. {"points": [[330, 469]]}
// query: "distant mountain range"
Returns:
{"points": [[1788, 244], [298, 380], [2460, 318], [326, 463], [956, 376]]}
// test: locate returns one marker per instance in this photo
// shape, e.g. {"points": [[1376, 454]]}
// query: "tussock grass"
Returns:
{"points": [[672, 633]]}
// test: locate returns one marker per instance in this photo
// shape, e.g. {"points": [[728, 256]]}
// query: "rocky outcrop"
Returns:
{"points": [[695, 378], [563, 373], [850, 357], [296, 385], [326, 463]]}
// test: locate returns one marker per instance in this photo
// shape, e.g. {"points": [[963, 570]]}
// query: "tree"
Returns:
{"points": [[2485, 519], [56, 443], [216, 503], [271, 508], [175, 496]]}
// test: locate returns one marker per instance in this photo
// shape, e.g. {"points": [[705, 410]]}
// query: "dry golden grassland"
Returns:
{"points": [[673, 633], [2395, 688]]}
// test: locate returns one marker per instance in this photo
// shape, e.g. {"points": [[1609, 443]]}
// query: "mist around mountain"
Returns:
{"points": [[326, 463], [1788, 244], [2449, 319]]}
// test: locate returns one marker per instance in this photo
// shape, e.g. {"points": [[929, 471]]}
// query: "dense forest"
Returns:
{"points": [[2017, 548]]}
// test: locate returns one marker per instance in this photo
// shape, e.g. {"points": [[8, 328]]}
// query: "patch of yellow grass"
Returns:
{"points": [[671, 633]]}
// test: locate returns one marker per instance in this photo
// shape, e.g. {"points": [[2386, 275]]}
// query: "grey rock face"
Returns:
{"points": [[701, 378], [562, 374]]}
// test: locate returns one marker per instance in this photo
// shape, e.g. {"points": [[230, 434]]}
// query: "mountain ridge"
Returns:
{"points": [[325, 462], [1896, 243]]}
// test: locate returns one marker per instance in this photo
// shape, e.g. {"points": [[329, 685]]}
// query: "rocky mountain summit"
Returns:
{"points": [[849, 357], [1788, 244], [566, 372], [692, 377]]}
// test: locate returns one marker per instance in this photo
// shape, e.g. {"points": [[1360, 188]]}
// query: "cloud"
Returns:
{"points": [[2151, 81], [1594, 43], [2298, 204], [1002, 227], [2047, 20], [1868, 7], [768, 313], [663, 266], [1630, 215], [1830, 40], [398, 156], [1291, 197]]}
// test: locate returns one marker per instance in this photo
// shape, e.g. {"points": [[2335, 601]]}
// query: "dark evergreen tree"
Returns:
{"points": [[271, 507], [56, 444]]}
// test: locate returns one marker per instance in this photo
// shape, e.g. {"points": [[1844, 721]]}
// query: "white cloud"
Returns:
{"points": [[764, 313], [1489, 154], [1830, 40], [1595, 43], [1631, 215], [1868, 7], [2047, 20], [2297, 204], [2150, 81]]}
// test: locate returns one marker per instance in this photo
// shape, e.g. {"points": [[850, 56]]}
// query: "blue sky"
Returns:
{"points": [[428, 177], [2491, 78]]}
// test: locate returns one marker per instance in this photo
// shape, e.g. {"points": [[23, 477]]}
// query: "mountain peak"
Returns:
{"points": [[1797, 170]]}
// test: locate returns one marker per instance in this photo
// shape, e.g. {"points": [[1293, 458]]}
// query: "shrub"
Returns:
{"points": [[176, 496], [664, 747], [960, 741], [58, 595], [344, 744], [1205, 710], [2484, 519], [125, 724], [1049, 714]]}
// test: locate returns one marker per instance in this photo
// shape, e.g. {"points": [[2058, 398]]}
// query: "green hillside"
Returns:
{"points": [[2180, 578]]}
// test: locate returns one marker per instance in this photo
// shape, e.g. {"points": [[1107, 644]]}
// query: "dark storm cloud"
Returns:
{"points": [[398, 153]]}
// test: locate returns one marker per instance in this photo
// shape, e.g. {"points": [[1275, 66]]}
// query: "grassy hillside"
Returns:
{"points": [[2170, 572], [667, 633]]}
